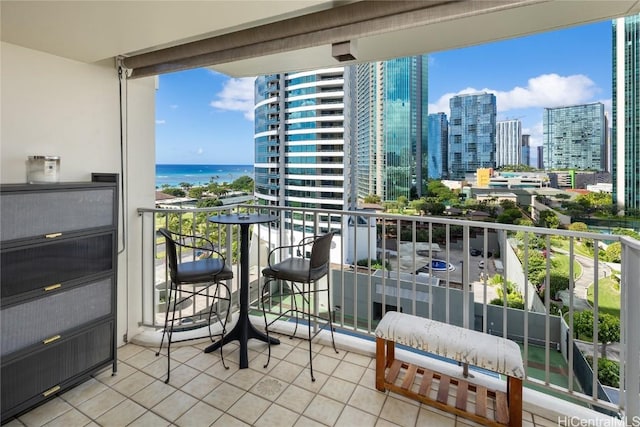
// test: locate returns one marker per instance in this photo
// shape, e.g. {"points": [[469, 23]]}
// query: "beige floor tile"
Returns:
{"points": [[355, 417], [349, 372], [308, 422], [399, 412], [84, 391], [324, 410], [173, 406], [181, 375], [220, 372], [426, 417], [325, 364], [145, 357], [245, 378], [282, 350], [184, 353], [158, 368], [201, 385], [368, 379], [269, 388], [286, 371], [199, 415], [149, 419], [276, 415], [327, 350], [304, 380], [72, 417], [357, 359], [249, 408], [299, 356], [543, 422], [202, 361], [101, 403], [337, 389], [384, 423], [368, 400], [295, 398], [128, 350], [224, 396], [227, 420], [152, 394], [124, 371], [121, 415], [133, 383], [14, 423]]}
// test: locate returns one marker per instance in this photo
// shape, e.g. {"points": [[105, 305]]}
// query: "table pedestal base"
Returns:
{"points": [[242, 332]]}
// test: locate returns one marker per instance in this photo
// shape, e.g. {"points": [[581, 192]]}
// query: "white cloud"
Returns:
{"points": [[236, 95], [544, 91], [160, 122], [536, 133]]}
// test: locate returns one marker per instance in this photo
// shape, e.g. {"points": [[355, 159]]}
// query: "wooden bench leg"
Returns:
{"points": [[380, 363], [514, 395]]}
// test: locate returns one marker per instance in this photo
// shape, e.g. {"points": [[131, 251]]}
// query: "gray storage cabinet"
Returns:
{"points": [[58, 248]]}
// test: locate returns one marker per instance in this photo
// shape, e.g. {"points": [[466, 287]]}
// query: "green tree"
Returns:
{"points": [[196, 192], [402, 203], [185, 185], [372, 198], [243, 183], [578, 226], [608, 331], [583, 324], [209, 203], [548, 219], [613, 253], [557, 283], [178, 192]]}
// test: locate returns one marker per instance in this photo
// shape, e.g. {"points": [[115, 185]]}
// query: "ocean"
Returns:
{"points": [[173, 175]]}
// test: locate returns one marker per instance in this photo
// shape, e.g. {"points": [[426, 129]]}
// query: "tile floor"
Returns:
{"points": [[203, 393]]}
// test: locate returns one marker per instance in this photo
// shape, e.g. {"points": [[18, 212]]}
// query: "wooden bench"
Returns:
{"points": [[455, 395]]}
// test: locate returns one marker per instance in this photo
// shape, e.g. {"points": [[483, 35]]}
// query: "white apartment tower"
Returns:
{"points": [[508, 142]]}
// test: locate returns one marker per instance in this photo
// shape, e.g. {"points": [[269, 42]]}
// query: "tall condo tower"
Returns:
{"points": [[391, 106], [437, 138], [625, 141], [301, 159], [574, 137], [525, 153], [508, 142], [472, 134]]}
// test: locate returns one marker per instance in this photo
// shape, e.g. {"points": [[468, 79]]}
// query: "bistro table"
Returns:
{"points": [[243, 329]]}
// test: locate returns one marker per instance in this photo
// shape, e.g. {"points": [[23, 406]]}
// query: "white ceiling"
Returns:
{"points": [[92, 31]]}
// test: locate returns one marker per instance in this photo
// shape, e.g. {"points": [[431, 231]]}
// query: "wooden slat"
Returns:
{"points": [[443, 389], [502, 409], [481, 401], [461, 395], [393, 372], [409, 376], [425, 385]]}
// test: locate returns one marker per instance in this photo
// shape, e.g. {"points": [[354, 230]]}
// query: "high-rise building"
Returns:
{"points": [[525, 154], [391, 106], [508, 142], [472, 134], [437, 143], [574, 137], [625, 141], [540, 157], [301, 159]]}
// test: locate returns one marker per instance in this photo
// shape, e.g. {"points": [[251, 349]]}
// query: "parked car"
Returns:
{"points": [[481, 264], [475, 252]]}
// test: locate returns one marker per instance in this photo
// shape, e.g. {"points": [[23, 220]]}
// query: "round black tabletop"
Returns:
{"points": [[242, 218]]}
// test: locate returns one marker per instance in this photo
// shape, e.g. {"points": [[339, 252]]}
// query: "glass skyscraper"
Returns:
{"points": [[391, 106], [625, 141], [301, 159], [573, 137], [472, 134], [437, 139]]}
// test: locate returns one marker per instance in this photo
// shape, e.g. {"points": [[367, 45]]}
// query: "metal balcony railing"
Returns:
{"points": [[484, 276]]}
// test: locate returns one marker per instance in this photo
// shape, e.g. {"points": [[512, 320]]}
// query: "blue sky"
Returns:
{"points": [[203, 117]]}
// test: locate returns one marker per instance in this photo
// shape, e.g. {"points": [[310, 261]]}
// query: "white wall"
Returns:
{"points": [[55, 106]]}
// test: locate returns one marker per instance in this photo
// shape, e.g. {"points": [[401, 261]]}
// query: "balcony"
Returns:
{"points": [[202, 392]]}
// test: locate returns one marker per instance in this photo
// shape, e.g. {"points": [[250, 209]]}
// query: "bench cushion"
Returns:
{"points": [[463, 345]]}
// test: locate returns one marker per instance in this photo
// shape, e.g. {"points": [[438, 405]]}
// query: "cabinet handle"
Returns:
{"points": [[52, 339], [52, 235], [51, 391], [52, 287]]}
